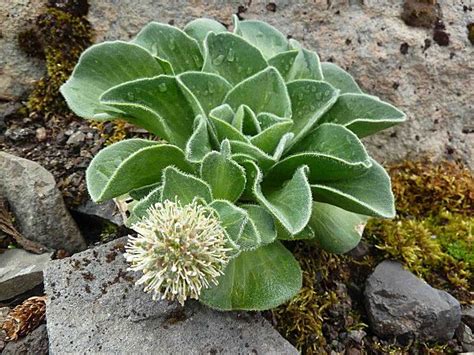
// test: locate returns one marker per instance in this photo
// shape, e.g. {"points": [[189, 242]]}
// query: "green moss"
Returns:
{"points": [[432, 236], [109, 232], [433, 232], [61, 37]]}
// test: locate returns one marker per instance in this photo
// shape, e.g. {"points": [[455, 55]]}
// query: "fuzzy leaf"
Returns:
{"points": [[245, 121], [225, 177], [184, 187], [336, 230], [221, 118], [305, 66], [265, 37], [198, 144], [171, 44], [283, 62], [101, 67], [209, 89], [256, 280], [199, 28], [339, 78], [140, 209], [232, 218], [290, 204], [309, 100], [142, 192], [239, 227], [368, 194], [331, 152], [232, 57], [243, 151], [363, 114], [157, 104], [268, 139], [271, 95], [263, 222], [128, 165]]}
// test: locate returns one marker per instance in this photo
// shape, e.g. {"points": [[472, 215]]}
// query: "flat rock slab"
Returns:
{"points": [[37, 204], [399, 303], [20, 271], [93, 306]]}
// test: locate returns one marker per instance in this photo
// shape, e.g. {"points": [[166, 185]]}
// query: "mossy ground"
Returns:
{"points": [[432, 236], [39, 129]]}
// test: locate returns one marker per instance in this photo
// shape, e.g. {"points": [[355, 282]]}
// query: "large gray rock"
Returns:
{"points": [[37, 204], [20, 271], [35, 343], [431, 83], [399, 303], [17, 71], [93, 306]]}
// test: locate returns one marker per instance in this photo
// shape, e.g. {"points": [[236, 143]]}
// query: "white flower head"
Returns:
{"points": [[179, 249]]}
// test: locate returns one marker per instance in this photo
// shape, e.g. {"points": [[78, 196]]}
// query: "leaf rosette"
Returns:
{"points": [[252, 125]]}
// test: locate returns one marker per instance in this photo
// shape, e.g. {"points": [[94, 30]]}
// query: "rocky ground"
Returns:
{"points": [[55, 242]]}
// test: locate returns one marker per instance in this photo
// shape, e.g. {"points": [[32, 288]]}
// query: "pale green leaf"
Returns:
{"points": [[271, 96], [242, 151], [199, 28], [268, 139], [263, 222], [225, 177], [265, 37], [101, 67], [223, 112], [232, 218], [290, 203], [339, 78], [259, 279], [363, 114], [235, 221], [232, 57], [171, 44], [368, 194], [128, 165], [331, 152], [141, 207], [157, 104], [183, 187], [305, 66], [209, 89], [309, 101], [283, 62], [245, 121], [336, 230], [198, 144]]}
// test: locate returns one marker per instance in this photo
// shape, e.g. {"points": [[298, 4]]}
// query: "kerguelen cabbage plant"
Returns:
{"points": [[255, 129]]}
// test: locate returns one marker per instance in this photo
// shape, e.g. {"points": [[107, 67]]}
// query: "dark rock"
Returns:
{"points": [[467, 315], [465, 337], [362, 249], [107, 211], [76, 138], [37, 204], [35, 343], [356, 336], [20, 271], [107, 313], [398, 303]]}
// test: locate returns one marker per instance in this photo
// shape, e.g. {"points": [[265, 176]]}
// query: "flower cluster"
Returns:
{"points": [[179, 249]]}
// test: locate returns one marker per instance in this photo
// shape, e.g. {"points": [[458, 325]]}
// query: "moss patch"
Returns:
{"points": [[432, 236], [60, 36]]}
